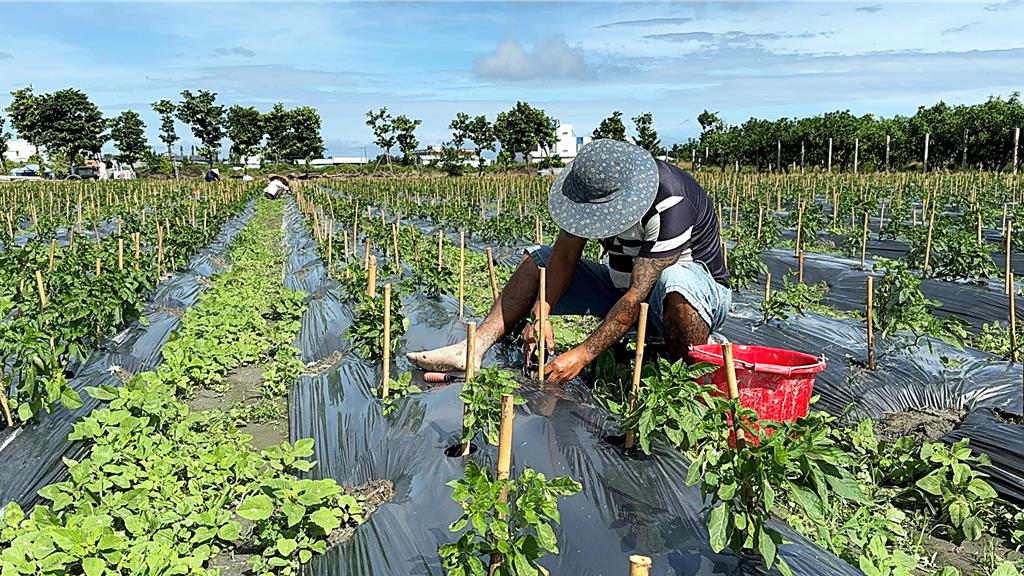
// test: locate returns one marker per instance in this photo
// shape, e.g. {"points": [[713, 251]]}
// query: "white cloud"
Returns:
{"points": [[550, 59], [6, 56], [235, 51]]}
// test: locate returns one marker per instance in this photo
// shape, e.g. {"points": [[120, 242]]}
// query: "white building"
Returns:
{"points": [[336, 161], [566, 146], [19, 151], [432, 153]]}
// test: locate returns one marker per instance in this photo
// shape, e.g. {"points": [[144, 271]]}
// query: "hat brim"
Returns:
{"points": [[606, 219]]}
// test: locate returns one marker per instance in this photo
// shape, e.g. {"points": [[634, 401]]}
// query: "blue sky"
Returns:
{"points": [[577, 60]]}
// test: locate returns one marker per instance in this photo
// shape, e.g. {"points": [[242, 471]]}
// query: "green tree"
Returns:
{"points": [[611, 128], [523, 128], [166, 109], [478, 131], [64, 122], [710, 122], [381, 123], [128, 132], [306, 140], [278, 129], [405, 134], [646, 136], [205, 118], [245, 130], [4, 137]]}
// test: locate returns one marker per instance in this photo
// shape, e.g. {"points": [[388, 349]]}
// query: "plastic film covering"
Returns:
{"points": [[31, 455], [627, 505]]}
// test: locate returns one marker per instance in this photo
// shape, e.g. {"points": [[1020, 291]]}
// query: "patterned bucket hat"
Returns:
{"points": [[605, 190]]}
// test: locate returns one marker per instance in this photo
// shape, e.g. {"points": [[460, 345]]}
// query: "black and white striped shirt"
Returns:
{"points": [[681, 222]]}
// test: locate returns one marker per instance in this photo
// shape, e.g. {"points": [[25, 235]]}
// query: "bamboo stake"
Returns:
{"points": [[371, 277], [120, 254], [385, 386], [639, 565], [492, 275], [542, 318], [470, 369], [41, 289], [99, 267], [799, 226], [394, 237], [462, 274], [504, 463], [137, 239], [928, 242], [864, 243], [734, 393], [7, 409], [641, 335], [1009, 248], [767, 285], [53, 254], [1013, 321], [440, 251], [366, 254], [871, 322], [330, 247]]}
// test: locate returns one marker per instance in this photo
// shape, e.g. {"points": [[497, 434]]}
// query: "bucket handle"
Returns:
{"points": [[769, 368]]}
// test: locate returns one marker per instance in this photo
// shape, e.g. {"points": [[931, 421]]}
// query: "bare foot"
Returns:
{"points": [[451, 358]]}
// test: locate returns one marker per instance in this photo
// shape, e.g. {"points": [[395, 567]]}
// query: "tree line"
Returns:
{"points": [[982, 136], [67, 124]]}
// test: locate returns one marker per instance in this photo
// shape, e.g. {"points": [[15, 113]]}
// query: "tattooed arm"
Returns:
{"points": [[620, 318]]}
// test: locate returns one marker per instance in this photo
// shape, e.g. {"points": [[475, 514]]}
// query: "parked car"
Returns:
{"points": [[32, 170]]}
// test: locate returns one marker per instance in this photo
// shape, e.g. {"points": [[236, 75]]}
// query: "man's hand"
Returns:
{"points": [[530, 338], [566, 366]]}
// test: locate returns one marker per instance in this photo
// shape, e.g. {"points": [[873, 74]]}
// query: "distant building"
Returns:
{"points": [[432, 153], [336, 161], [19, 151], [567, 144]]}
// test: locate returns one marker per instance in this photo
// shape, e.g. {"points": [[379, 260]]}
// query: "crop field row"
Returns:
{"points": [[285, 428]]}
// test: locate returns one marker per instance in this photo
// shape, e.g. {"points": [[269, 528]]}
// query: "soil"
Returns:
{"points": [[242, 385], [926, 424], [372, 494], [1009, 417], [322, 365], [970, 558]]}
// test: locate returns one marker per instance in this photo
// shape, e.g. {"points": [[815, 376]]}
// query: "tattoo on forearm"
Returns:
{"points": [[623, 314]]}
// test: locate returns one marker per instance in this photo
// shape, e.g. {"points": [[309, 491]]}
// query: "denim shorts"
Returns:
{"points": [[593, 293]]}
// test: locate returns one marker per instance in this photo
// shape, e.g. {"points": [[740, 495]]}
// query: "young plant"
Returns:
{"points": [[672, 406], [399, 388], [745, 265], [900, 305], [794, 298], [954, 492], [520, 530], [367, 330], [481, 396]]}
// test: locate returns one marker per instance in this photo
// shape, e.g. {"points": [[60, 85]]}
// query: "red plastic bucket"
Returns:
{"points": [[775, 383]]}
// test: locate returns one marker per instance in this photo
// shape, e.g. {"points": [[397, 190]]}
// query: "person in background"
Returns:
{"points": [[276, 186], [213, 175], [660, 232]]}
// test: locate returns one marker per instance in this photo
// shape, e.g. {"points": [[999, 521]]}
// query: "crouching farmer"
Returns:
{"points": [[660, 233]]}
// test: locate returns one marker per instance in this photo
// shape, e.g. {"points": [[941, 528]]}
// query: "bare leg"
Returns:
{"points": [[514, 304], [683, 327]]}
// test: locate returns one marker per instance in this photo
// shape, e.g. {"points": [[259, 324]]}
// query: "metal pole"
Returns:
{"points": [[888, 139], [1016, 146], [927, 141], [778, 154], [830, 155], [803, 149], [856, 155]]}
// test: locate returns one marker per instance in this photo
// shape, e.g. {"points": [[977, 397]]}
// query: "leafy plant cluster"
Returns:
{"points": [[746, 265], [794, 298], [39, 342], [164, 489], [899, 304], [481, 397], [513, 518], [399, 388]]}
